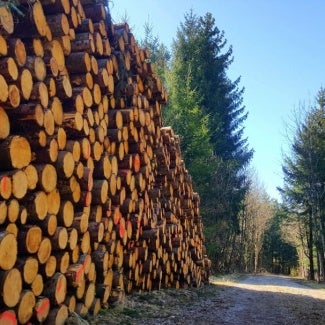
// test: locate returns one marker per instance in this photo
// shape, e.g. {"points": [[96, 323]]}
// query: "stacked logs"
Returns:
{"points": [[95, 199]]}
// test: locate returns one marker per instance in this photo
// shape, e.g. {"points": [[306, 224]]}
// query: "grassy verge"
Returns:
{"points": [[163, 303], [150, 305], [233, 278]]}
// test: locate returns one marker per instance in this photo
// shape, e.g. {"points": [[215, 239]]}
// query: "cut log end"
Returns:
{"points": [[16, 152], [6, 20], [5, 123], [25, 306], [42, 309], [8, 250], [10, 286], [8, 317]]}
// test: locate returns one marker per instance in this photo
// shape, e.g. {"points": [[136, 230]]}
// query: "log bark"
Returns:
{"points": [[58, 24], [70, 302], [75, 274], [49, 267], [56, 288], [56, 6], [47, 177], [100, 191], [59, 239], [37, 67], [49, 224], [78, 62], [63, 261], [95, 12], [50, 150], [37, 205], [63, 87], [80, 222], [40, 92], [65, 164], [8, 69], [57, 315]]}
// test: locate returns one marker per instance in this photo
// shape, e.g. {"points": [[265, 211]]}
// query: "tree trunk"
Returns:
{"points": [[310, 243], [55, 289], [25, 306]]}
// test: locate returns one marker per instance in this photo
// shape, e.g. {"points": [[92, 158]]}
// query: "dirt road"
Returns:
{"points": [[269, 299], [251, 299]]}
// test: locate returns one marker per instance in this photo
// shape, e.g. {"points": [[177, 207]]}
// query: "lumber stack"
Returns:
{"points": [[95, 199]]}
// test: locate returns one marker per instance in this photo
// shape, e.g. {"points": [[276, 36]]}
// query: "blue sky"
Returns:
{"points": [[278, 48]]}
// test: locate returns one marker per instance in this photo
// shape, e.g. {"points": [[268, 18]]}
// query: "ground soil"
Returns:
{"points": [[231, 300]]}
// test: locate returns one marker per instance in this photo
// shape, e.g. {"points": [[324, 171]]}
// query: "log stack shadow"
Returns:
{"points": [[95, 199]]}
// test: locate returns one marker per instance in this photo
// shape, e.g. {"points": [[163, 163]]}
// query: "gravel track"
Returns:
{"points": [[245, 300]]}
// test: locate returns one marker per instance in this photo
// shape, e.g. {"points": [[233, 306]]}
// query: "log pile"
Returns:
{"points": [[95, 199]]}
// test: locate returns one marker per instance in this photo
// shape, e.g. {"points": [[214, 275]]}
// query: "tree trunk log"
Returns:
{"points": [[16, 153], [55, 289], [10, 287], [25, 306], [5, 124]]}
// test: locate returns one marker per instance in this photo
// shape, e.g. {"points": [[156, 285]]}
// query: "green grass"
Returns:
{"points": [[131, 312]]}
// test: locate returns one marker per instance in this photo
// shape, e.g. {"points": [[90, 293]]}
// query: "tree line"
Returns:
{"points": [[304, 187], [245, 230]]}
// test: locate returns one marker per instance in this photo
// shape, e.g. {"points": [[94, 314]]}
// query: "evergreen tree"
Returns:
{"points": [[206, 109], [201, 47], [304, 176], [159, 53], [279, 255]]}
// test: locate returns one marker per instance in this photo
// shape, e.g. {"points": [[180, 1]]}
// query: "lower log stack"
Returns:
{"points": [[95, 199]]}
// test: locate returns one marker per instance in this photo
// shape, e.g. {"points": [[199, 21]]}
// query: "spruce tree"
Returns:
{"points": [[200, 60]]}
